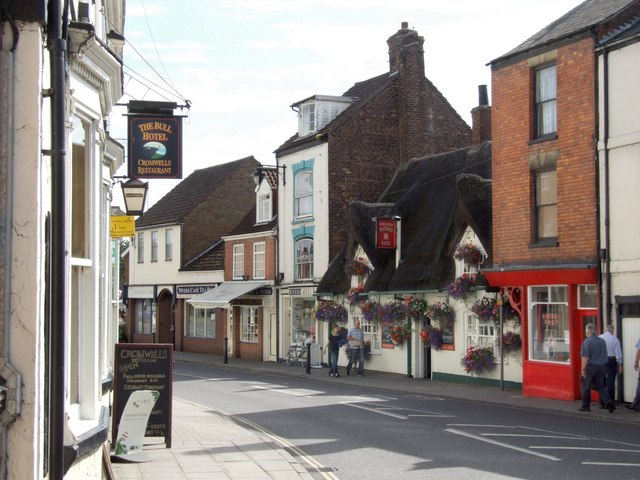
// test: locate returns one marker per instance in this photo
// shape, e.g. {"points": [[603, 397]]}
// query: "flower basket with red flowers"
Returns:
{"points": [[400, 333], [478, 359], [354, 296], [392, 311], [431, 336], [415, 307], [356, 266], [486, 308], [469, 254], [461, 287]]}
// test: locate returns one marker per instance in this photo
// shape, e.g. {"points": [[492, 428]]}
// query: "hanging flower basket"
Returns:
{"points": [[331, 312], [416, 307], [511, 342], [370, 311], [478, 360], [400, 333], [440, 312], [392, 312], [461, 287], [487, 308], [357, 267], [431, 336], [469, 254], [354, 296]]}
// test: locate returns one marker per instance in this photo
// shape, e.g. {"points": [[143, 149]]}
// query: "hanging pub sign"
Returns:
{"points": [[386, 233], [155, 146]]}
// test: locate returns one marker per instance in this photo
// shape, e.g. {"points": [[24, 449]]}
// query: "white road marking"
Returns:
{"points": [[612, 464], [532, 436], [596, 449], [500, 444]]}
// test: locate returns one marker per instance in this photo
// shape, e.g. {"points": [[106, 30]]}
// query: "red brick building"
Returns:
{"points": [[545, 215]]}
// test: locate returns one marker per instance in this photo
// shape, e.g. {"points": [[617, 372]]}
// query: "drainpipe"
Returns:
{"points": [[57, 47], [605, 148], [10, 379]]}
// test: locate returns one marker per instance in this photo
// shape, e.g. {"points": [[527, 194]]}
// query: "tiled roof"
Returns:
{"points": [[248, 224], [580, 19], [189, 193], [209, 260]]}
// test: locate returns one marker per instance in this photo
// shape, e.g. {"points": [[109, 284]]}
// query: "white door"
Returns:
{"points": [[630, 336], [272, 334]]}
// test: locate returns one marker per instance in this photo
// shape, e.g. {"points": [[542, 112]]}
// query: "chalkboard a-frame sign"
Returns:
{"points": [[144, 366]]}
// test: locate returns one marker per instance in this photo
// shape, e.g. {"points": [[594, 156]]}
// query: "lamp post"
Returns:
{"points": [[134, 192]]}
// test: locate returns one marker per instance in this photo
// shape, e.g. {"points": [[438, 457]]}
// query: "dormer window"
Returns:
{"points": [[263, 209], [316, 112], [308, 118]]}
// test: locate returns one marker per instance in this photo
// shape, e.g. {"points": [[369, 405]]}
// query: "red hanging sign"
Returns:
{"points": [[386, 233]]}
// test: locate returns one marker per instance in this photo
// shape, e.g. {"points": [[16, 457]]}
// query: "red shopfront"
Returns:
{"points": [[554, 306]]}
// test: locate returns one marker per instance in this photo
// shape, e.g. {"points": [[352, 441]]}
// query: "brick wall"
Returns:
{"points": [[269, 246], [576, 169]]}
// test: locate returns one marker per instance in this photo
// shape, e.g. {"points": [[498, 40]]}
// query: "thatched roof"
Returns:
{"points": [[436, 197]]}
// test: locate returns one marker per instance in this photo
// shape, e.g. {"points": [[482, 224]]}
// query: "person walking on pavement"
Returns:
{"points": [[594, 360], [636, 401], [356, 348], [614, 362], [334, 350]]}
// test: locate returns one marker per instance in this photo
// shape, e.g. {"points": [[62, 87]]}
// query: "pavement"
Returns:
{"points": [[211, 445]]}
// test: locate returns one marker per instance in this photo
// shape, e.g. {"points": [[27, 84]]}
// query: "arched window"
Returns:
{"points": [[304, 259]]}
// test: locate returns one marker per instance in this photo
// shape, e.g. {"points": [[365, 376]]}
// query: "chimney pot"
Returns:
{"points": [[404, 25], [483, 97]]}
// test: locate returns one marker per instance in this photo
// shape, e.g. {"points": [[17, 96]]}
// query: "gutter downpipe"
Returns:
{"points": [[605, 147], [57, 47]]}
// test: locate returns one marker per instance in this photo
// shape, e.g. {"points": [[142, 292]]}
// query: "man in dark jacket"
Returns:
{"points": [[594, 364]]}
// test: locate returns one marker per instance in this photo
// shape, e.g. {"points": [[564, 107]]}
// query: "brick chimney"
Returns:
{"points": [[481, 118], [406, 57]]}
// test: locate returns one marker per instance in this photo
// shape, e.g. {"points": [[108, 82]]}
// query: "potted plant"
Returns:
{"points": [[440, 312], [331, 312], [469, 254], [461, 287], [431, 336], [400, 333], [370, 310], [416, 307], [511, 342], [356, 266], [478, 359], [354, 295]]}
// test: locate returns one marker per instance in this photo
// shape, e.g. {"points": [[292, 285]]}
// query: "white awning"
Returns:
{"points": [[223, 294]]}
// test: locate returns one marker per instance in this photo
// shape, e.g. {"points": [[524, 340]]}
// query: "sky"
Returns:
{"points": [[240, 64]]}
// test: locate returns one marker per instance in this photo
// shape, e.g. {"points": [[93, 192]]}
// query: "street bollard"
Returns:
{"points": [[309, 357], [226, 350]]}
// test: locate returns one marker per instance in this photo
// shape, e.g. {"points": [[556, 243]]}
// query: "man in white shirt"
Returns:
{"points": [[614, 364]]}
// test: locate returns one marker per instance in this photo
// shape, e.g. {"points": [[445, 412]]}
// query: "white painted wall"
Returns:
{"points": [[286, 223]]}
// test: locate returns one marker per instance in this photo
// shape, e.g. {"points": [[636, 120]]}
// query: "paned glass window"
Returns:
{"points": [[549, 323], [168, 244], [238, 261], [303, 201], [140, 247], [154, 246], [546, 213], [201, 322], [249, 325], [546, 101], [304, 259], [259, 260]]}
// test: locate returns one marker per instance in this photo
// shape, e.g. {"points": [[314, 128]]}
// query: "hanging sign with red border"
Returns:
{"points": [[386, 233], [155, 146]]}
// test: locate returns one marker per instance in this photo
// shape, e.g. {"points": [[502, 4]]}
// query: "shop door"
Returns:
{"points": [[584, 317], [630, 336]]}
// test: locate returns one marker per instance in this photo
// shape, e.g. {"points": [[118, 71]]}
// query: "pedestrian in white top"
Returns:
{"points": [[614, 363]]}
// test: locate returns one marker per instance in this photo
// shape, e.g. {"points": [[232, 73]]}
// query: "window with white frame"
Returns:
{"points": [[200, 322], [371, 333], [142, 315], [588, 297], [304, 259], [80, 186], [154, 246], [168, 244], [259, 260], [545, 98], [140, 247], [263, 211], [546, 204], [238, 261], [307, 118], [249, 325], [481, 333], [303, 194], [549, 323]]}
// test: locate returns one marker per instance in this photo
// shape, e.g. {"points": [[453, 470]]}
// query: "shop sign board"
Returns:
{"points": [[155, 146]]}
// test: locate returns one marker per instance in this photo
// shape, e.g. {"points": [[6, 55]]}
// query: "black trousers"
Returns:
{"points": [[594, 379]]}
